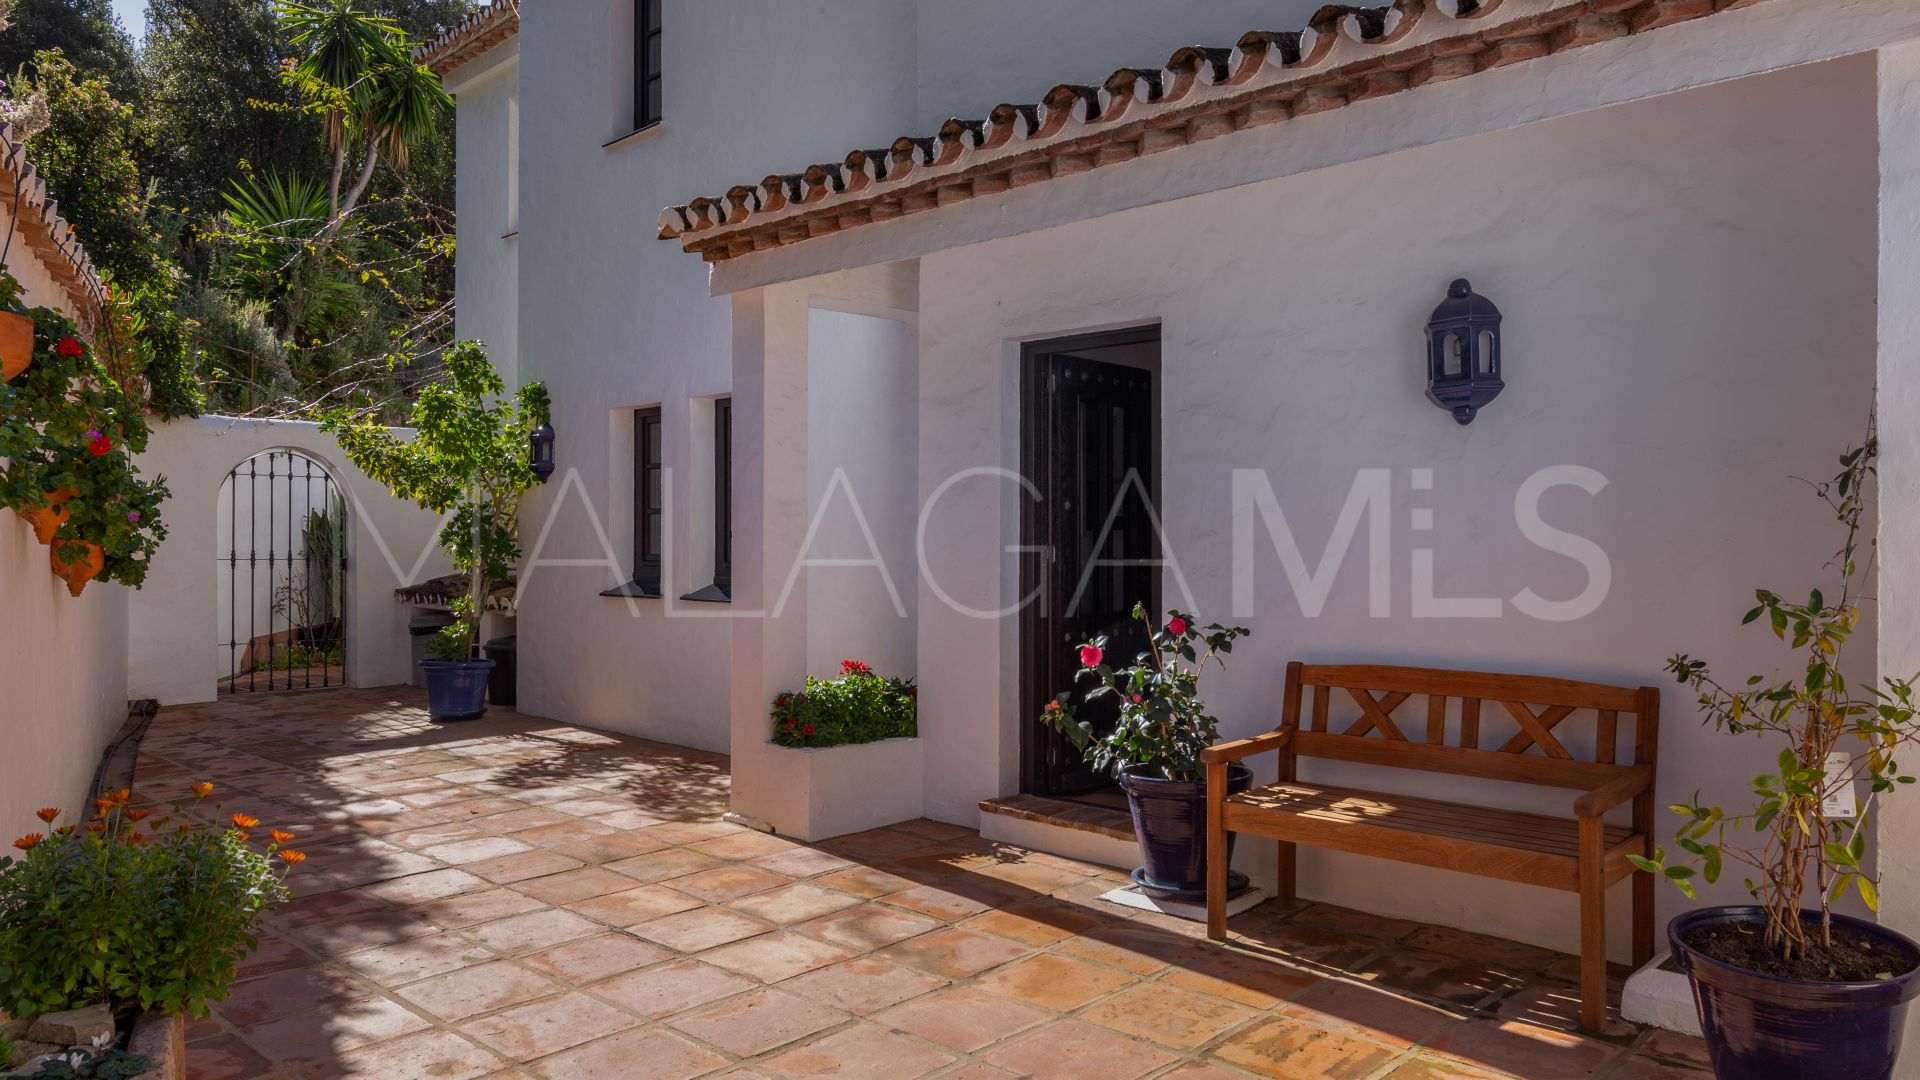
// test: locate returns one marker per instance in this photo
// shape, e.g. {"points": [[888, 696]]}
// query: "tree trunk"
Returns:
{"points": [[359, 187]]}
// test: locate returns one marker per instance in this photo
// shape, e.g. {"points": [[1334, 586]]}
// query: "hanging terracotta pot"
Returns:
{"points": [[16, 344], [82, 570], [46, 520]]}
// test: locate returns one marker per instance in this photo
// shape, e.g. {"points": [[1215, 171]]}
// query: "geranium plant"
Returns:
{"points": [[1163, 724], [858, 706], [1804, 838], [468, 458], [137, 904]]}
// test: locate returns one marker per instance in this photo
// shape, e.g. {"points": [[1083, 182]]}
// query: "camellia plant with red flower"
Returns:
{"points": [[164, 898], [857, 707], [1163, 724]]}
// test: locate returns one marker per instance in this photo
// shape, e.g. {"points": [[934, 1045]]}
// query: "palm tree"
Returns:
{"points": [[372, 91]]}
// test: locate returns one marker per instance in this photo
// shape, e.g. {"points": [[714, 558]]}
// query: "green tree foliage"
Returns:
{"points": [[85, 32]]}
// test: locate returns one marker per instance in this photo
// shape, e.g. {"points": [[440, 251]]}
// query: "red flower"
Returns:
{"points": [[809, 729], [1090, 656], [69, 347], [855, 667], [98, 445], [1137, 699], [1176, 626]]}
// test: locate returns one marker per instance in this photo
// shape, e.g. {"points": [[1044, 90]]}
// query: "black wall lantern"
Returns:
{"points": [[541, 455], [1463, 352]]}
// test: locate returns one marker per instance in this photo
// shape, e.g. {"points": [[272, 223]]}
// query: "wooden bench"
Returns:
{"points": [[1580, 853]]}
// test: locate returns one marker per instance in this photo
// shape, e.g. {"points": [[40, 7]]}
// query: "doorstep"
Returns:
{"points": [[1094, 834]]}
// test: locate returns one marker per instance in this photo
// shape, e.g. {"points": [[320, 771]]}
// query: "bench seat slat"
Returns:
{"points": [[1536, 849]]}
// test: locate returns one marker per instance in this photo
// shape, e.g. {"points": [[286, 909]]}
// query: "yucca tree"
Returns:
{"points": [[360, 68]]}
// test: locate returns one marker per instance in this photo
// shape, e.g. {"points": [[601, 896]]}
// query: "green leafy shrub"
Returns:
{"points": [[134, 908], [856, 707]]}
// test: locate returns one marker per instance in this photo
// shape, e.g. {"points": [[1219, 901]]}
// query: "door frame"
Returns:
{"points": [[1034, 686]]}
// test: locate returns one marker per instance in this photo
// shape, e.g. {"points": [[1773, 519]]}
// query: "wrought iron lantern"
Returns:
{"points": [[1463, 352], [541, 451]]}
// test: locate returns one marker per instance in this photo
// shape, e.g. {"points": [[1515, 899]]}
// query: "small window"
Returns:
{"points": [[649, 515], [646, 63], [721, 591]]}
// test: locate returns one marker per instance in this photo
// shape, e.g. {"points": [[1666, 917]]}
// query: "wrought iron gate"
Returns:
{"points": [[286, 575]]}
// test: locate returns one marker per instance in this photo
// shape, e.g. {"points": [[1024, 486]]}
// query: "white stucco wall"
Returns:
{"points": [[174, 655], [63, 661], [486, 144], [1688, 284]]}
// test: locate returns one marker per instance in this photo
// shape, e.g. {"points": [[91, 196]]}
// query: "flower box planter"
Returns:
{"points": [[16, 344], [820, 792]]}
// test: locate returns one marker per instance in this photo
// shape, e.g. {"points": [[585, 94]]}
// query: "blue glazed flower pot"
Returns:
{"points": [[1764, 1027], [1170, 819], [456, 689]]}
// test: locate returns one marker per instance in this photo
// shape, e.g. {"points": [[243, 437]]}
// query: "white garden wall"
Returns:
{"points": [[1688, 284], [175, 654]]}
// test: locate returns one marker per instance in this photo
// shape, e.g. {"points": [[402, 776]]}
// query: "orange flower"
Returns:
{"points": [[185, 828], [281, 837], [137, 837], [242, 821], [95, 826], [29, 841], [138, 815], [292, 857], [103, 806], [202, 789], [122, 795], [48, 813]]}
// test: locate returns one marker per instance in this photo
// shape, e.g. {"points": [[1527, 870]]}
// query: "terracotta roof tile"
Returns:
{"points": [[46, 233], [1345, 53], [474, 35]]}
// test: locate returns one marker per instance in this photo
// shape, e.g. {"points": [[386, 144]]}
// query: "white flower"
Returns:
{"points": [[29, 117]]}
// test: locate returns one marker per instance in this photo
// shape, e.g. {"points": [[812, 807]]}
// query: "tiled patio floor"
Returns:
{"points": [[519, 898]]}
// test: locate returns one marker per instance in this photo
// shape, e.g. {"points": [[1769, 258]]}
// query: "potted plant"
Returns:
{"points": [[1787, 987], [144, 908], [16, 329], [469, 459], [1154, 750], [857, 707]]}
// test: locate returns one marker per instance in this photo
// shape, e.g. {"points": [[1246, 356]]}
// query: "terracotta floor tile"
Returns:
{"points": [[790, 904], [1054, 982], [863, 985], [868, 927], [1313, 946], [950, 902], [588, 807], [442, 832], [533, 931], [1641, 1067], [776, 956], [522, 818], [633, 905], [662, 865], [478, 989], [963, 1019], [225, 1057], [1242, 977], [702, 928], [472, 909], [646, 1054], [625, 820], [440, 1054], [269, 997], [1071, 1050], [690, 832], [1426, 1068], [546, 836], [1370, 1012], [274, 954], [803, 863], [1182, 1019], [1037, 922], [545, 1027], [675, 988], [745, 844], [1679, 1049], [595, 958], [309, 1039], [420, 958], [1289, 1050], [574, 885], [506, 869], [1202, 1070], [605, 848], [953, 953], [1438, 976], [421, 888], [724, 883], [327, 907], [864, 881], [1546, 1004], [758, 1022], [1524, 1050], [480, 848], [1141, 950], [863, 1052]]}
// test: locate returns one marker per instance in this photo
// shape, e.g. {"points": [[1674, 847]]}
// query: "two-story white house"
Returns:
{"points": [[1147, 323]]}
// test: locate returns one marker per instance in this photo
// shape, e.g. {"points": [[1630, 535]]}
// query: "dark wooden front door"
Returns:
{"points": [[1090, 546]]}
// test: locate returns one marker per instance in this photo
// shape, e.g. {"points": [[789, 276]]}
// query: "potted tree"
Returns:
{"points": [[1154, 749], [1786, 986], [468, 459]]}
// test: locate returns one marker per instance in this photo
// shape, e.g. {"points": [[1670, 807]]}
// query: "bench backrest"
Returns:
{"points": [[1368, 714]]}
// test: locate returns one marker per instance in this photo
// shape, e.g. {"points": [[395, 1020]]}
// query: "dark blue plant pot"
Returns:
{"points": [[1763, 1027], [456, 689], [1170, 819]]}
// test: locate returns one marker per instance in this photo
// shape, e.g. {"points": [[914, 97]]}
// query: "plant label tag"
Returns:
{"points": [[1839, 802]]}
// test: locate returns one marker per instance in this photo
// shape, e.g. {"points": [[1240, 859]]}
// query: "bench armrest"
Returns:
{"points": [[1245, 748], [1614, 792]]}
